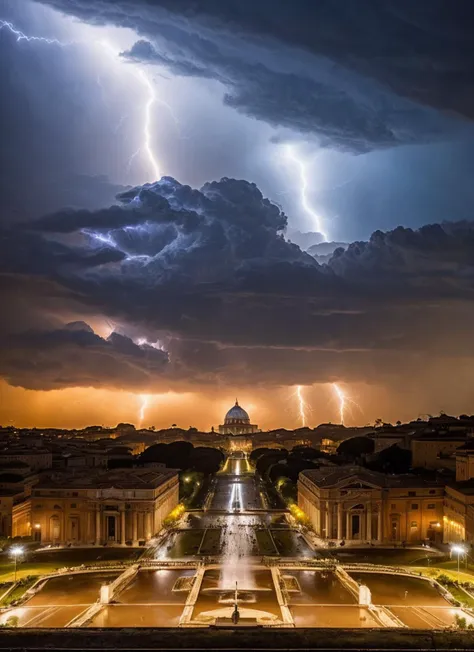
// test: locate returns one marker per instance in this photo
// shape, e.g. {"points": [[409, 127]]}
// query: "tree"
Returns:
{"points": [[266, 460], [356, 446], [206, 460], [392, 460], [307, 452], [154, 453], [178, 454], [378, 423], [291, 470], [175, 455], [258, 452]]}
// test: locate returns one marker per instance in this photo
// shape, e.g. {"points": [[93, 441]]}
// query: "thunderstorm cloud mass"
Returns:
{"points": [[202, 199]]}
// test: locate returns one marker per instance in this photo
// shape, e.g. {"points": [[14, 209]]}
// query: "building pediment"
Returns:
{"points": [[111, 492], [357, 484]]}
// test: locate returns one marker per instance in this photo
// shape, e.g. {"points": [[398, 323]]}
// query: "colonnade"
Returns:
{"points": [[337, 521], [138, 525]]}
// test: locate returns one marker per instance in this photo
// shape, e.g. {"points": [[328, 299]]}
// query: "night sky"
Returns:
{"points": [[204, 199]]}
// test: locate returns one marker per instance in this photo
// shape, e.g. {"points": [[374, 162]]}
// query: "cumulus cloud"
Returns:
{"points": [[210, 275], [355, 76]]}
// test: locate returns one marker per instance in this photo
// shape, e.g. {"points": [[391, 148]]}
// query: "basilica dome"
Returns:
{"points": [[236, 415]]}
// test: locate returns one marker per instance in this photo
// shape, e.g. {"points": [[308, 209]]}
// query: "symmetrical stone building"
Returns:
{"points": [[125, 506], [353, 503], [237, 422], [237, 425]]}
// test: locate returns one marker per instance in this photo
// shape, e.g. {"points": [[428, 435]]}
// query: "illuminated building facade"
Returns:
{"points": [[352, 503], [237, 425], [436, 451], [237, 422], [125, 506], [459, 512]]}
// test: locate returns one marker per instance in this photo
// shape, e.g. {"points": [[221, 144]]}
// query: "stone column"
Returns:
{"points": [[362, 526], [369, 522], [122, 527], [97, 525], [380, 523], [348, 525], [135, 528], [87, 534], [329, 520], [148, 531], [339, 520], [323, 521]]}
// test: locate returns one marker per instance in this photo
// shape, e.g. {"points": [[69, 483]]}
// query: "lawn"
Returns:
{"points": [[184, 543], [42, 563], [211, 544], [291, 544], [18, 591], [387, 556], [265, 543]]}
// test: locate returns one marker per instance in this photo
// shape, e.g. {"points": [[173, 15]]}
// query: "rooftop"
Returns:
{"points": [[465, 487], [141, 478], [338, 476]]}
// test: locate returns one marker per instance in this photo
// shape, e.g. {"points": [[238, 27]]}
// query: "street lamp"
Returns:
{"points": [[458, 550], [16, 551]]}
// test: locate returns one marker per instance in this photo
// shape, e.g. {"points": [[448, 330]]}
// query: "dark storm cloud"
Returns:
{"points": [[75, 356], [208, 273], [28, 253], [357, 75]]}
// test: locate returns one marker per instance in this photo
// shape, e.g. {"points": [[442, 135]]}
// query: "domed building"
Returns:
{"points": [[237, 422]]}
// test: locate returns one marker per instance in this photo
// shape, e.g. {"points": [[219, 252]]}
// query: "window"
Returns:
{"points": [[74, 493], [414, 505], [414, 524], [412, 493], [432, 492], [393, 506], [57, 507], [431, 506], [73, 505]]}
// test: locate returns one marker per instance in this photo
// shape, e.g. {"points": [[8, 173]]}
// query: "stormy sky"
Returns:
{"points": [[202, 199]]}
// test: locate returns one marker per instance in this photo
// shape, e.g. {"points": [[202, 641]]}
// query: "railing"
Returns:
{"points": [[168, 563]]}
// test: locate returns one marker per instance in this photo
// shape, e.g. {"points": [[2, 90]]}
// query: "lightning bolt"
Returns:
{"points": [[104, 238], [303, 407], [132, 158], [142, 341], [291, 155], [146, 145], [21, 36], [152, 98], [343, 399], [145, 400], [148, 125]]}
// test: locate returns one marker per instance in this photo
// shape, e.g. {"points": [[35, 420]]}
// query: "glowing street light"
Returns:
{"points": [[15, 552], [458, 550]]}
